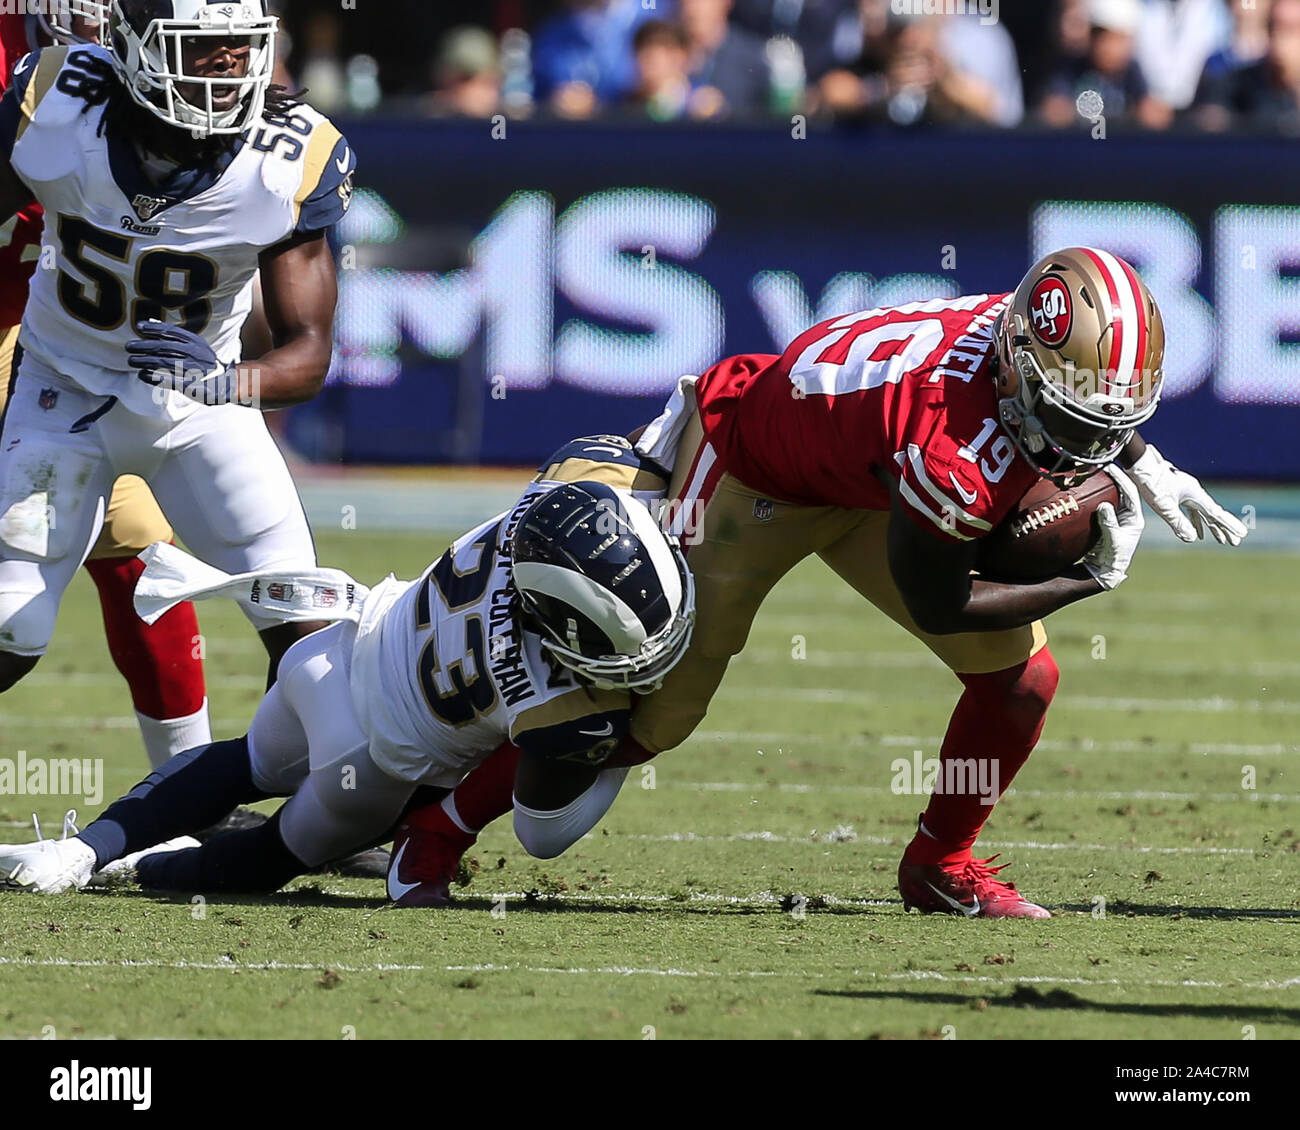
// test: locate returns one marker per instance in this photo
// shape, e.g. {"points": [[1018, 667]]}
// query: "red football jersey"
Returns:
{"points": [[905, 391], [20, 237]]}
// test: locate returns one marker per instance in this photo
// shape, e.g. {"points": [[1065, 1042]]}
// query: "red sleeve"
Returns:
{"points": [[947, 497], [13, 45], [961, 476]]}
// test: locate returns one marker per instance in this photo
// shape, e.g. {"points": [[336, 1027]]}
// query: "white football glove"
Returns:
{"points": [[1169, 492], [1109, 559]]}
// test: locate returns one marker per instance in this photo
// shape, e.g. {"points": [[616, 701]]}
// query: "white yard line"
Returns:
{"points": [[767, 837], [804, 623], [638, 971], [760, 788], [1211, 704], [895, 841], [931, 742], [921, 659]]}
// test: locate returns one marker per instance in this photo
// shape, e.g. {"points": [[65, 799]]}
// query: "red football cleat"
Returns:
{"points": [[426, 853], [966, 886]]}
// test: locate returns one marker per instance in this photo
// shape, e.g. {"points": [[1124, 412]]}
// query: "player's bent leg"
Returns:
{"points": [[433, 835], [161, 662], [30, 593], [53, 488], [740, 545], [226, 489], [253, 860], [993, 730], [1009, 679], [326, 763], [546, 834], [346, 804], [188, 792], [279, 639]]}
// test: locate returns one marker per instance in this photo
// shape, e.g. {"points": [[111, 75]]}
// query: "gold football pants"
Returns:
{"points": [[739, 544]]}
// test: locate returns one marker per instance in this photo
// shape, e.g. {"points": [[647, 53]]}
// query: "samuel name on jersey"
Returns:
{"points": [[442, 672], [132, 238]]}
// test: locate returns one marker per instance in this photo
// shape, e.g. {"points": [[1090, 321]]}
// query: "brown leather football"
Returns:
{"points": [[1047, 531]]}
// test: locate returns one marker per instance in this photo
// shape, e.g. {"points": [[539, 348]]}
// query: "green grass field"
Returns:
{"points": [[750, 892]]}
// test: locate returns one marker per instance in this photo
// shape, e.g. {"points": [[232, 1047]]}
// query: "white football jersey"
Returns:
{"points": [[121, 247], [442, 673]]}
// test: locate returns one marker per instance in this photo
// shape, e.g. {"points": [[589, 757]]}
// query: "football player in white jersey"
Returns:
{"points": [[170, 169], [534, 628]]}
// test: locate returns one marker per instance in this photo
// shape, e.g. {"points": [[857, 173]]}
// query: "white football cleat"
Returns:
{"points": [[47, 867], [119, 872]]}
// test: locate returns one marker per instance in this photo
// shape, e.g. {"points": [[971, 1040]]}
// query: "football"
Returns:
{"points": [[1048, 530]]}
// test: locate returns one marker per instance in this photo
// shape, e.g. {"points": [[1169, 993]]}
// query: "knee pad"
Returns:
{"points": [[1023, 692], [27, 609]]}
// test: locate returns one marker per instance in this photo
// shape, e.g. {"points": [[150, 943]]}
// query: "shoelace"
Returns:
{"points": [[977, 870], [69, 824]]}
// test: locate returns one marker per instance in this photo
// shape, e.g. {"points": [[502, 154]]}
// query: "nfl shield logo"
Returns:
{"points": [[325, 598], [764, 508], [277, 591], [49, 398]]}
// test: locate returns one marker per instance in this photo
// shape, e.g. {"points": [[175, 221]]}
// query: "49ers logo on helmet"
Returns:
{"points": [[1050, 310]]}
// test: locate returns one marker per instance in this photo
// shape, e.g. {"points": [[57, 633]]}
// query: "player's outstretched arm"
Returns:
{"points": [[934, 576], [1178, 497], [557, 804]]}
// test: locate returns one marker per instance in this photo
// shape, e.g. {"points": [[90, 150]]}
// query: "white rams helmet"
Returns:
{"points": [[1080, 360], [609, 593], [55, 18], [149, 39]]}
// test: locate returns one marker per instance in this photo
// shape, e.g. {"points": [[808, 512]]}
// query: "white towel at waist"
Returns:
{"points": [[172, 576]]}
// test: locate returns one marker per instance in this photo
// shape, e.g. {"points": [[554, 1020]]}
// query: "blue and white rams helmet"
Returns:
{"points": [[607, 590], [154, 44], [56, 18]]}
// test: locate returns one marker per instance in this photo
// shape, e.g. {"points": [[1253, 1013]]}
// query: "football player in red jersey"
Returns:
{"points": [[889, 442], [161, 664]]}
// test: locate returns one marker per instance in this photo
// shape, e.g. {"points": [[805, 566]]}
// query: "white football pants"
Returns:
{"points": [[306, 743], [216, 472]]}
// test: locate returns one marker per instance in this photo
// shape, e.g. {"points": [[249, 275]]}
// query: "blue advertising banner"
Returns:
{"points": [[506, 288]]}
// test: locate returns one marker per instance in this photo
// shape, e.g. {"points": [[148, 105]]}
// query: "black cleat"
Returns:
{"points": [[369, 864], [237, 820]]}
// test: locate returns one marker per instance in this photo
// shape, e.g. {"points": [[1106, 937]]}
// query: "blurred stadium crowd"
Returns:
{"points": [[1145, 64]]}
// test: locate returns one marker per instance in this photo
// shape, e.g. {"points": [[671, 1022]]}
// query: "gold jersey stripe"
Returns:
{"points": [[319, 150], [569, 707], [47, 70], [611, 474]]}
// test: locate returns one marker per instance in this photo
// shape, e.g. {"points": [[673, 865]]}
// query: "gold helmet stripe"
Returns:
{"points": [[1129, 322]]}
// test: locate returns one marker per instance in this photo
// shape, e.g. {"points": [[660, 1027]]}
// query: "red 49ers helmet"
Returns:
{"points": [[1080, 355]]}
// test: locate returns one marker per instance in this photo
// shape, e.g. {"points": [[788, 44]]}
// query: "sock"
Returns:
{"points": [[166, 737], [486, 793], [159, 662], [254, 859], [189, 792], [997, 722]]}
